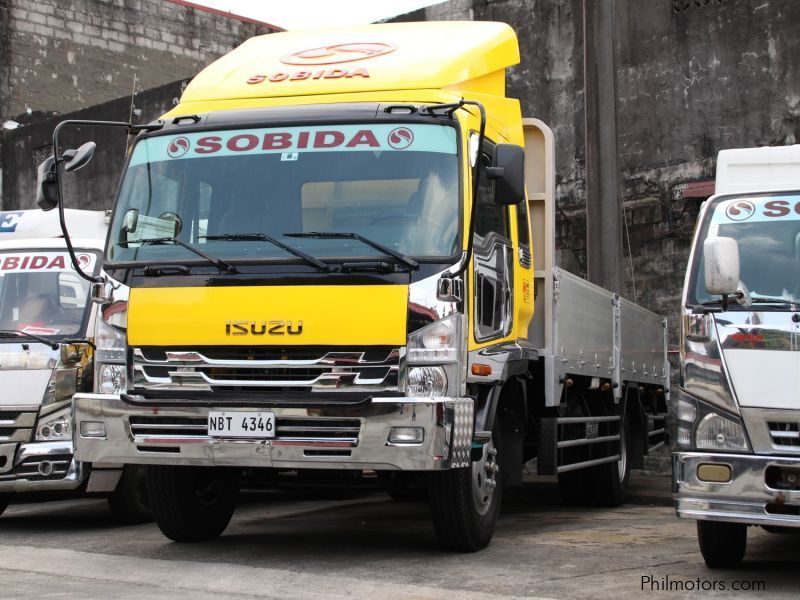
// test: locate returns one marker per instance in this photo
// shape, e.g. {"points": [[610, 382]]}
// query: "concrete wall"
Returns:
{"points": [[693, 77], [94, 186], [64, 55]]}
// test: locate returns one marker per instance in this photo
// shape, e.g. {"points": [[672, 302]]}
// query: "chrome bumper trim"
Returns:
{"points": [[742, 500], [73, 478], [447, 441]]}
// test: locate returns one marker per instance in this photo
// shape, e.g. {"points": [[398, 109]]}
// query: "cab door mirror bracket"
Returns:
{"points": [[508, 173]]}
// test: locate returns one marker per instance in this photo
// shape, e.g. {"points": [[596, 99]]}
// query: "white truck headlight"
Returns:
{"points": [[110, 372], [55, 427], [715, 432]]}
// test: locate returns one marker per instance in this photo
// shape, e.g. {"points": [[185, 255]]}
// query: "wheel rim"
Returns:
{"points": [[484, 481], [622, 463], [209, 490]]}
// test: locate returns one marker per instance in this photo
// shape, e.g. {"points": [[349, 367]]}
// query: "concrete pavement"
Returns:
{"points": [[284, 546]]}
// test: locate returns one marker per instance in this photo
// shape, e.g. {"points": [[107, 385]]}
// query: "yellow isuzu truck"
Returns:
{"points": [[323, 258]]}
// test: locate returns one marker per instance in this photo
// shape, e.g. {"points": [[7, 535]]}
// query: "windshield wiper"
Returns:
{"points": [[217, 262], [263, 237], [410, 263], [768, 300], [16, 333]]}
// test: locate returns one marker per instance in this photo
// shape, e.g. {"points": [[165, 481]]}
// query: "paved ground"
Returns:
{"points": [[280, 546]]}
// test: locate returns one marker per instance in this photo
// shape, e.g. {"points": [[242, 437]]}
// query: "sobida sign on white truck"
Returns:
{"points": [[47, 322], [322, 258], [739, 402]]}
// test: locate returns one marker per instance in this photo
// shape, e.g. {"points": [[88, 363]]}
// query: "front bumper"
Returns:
{"points": [[747, 498], [177, 435], [39, 467]]}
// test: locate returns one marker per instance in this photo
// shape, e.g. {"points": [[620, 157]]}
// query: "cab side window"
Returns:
{"points": [[489, 217]]}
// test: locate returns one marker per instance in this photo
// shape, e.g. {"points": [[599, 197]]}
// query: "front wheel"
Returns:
{"points": [[191, 504], [722, 544], [129, 503], [465, 502]]}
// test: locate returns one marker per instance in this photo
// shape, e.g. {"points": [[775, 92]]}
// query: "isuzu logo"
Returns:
{"points": [[263, 328]]}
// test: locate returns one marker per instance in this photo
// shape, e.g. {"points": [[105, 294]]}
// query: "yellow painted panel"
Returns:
{"points": [[330, 315], [366, 58]]}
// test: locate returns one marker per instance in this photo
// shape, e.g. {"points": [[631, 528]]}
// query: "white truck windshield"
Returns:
{"points": [[767, 230], [395, 184], [41, 294]]}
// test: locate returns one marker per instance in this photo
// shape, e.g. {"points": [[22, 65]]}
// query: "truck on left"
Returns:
{"points": [[47, 325]]}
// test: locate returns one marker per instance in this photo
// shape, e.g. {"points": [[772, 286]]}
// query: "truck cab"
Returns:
{"points": [[737, 408], [47, 321]]}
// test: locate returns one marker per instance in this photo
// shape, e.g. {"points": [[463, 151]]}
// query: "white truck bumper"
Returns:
{"points": [[753, 494]]}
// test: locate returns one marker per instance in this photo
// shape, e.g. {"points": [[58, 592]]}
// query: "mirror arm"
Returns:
{"points": [[469, 230], [67, 155], [495, 172]]}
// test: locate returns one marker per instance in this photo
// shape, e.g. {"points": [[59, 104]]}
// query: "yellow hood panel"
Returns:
{"points": [[330, 315]]}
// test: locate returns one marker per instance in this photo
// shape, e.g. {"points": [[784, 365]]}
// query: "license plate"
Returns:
{"points": [[241, 424]]}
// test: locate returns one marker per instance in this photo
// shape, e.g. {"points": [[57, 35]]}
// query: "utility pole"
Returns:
{"points": [[603, 203]]}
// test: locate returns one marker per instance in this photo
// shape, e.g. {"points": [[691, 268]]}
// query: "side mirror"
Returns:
{"points": [[508, 173], [721, 256], [47, 184], [131, 220], [75, 159]]}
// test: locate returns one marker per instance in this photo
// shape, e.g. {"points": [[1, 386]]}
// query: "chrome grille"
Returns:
{"points": [[41, 468], [784, 433], [288, 430], [16, 426], [268, 369]]}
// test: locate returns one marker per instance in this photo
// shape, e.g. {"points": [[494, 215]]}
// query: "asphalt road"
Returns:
{"points": [[282, 545]]}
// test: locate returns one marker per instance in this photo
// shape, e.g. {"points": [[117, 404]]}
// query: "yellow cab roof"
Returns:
{"points": [[451, 55]]}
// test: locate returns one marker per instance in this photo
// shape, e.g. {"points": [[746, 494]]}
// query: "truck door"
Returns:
{"points": [[493, 260]]}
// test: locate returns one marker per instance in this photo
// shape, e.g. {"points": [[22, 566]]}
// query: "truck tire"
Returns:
{"points": [[405, 486], [129, 503], [722, 544], [191, 504], [464, 505], [575, 488], [609, 481]]}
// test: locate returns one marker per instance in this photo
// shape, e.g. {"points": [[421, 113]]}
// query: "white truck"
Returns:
{"points": [[738, 406], [46, 355]]}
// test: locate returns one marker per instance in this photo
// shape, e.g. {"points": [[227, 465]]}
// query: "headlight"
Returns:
{"points": [[715, 432], [702, 426], [111, 379], [427, 381], [109, 370], [54, 427], [438, 342]]}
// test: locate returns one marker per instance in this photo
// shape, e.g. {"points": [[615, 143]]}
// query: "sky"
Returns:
{"points": [[305, 14]]}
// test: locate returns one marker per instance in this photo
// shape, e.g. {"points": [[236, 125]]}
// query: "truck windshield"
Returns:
{"points": [[767, 230], [40, 294], [395, 184]]}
